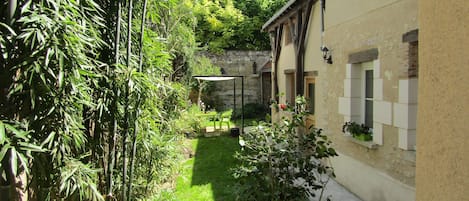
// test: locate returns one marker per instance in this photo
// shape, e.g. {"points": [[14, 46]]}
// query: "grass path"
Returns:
{"points": [[207, 175]]}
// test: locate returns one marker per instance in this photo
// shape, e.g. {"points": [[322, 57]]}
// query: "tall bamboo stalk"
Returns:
{"points": [[142, 29], [140, 68], [113, 123], [132, 157], [126, 108], [18, 182]]}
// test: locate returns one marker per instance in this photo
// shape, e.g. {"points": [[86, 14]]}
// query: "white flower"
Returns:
{"points": [[261, 128], [269, 140], [297, 182], [242, 142]]}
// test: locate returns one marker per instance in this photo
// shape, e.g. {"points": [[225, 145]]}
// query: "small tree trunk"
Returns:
{"points": [[199, 95], [17, 191]]}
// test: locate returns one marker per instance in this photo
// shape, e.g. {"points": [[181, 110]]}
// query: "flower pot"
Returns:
{"points": [[363, 137], [4, 192], [234, 132]]}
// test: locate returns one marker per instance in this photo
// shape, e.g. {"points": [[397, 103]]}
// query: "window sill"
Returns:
{"points": [[367, 144]]}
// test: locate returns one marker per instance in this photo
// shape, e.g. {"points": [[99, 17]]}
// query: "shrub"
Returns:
{"points": [[282, 162], [252, 111], [189, 122]]}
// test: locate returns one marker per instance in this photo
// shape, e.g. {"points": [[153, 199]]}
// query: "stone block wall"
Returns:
{"points": [[239, 63]]}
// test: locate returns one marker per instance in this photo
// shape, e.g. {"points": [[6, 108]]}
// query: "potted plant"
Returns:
{"points": [[358, 131]]}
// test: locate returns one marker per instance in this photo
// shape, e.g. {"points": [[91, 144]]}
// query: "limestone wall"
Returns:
{"points": [[443, 113], [376, 30], [239, 63], [379, 27]]}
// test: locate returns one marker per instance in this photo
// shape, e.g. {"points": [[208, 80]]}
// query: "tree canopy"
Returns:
{"points": [[234, 25]]}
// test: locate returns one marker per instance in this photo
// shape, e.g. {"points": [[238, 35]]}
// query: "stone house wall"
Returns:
{"points": [[361, 35]]}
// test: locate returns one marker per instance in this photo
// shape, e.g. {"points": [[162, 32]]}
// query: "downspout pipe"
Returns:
{"points": [[323, 7]]}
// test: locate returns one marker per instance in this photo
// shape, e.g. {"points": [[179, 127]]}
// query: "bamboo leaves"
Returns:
{"points": [[69, 98], [76, 172], [53, 42], [17, 146]]}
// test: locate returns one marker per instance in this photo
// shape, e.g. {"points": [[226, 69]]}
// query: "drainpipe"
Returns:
{"points": [[323, 7]]}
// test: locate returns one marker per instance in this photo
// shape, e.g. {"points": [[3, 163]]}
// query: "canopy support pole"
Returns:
{"points": [[234, 96], [242, 104]]}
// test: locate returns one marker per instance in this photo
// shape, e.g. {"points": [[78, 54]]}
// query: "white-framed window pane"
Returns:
{"points": [[369, 84], [368, 98], [311, 98], [369, 113], [290, 88]]}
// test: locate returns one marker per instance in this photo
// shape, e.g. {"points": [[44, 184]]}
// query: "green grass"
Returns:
{"points": [[207, 176]]}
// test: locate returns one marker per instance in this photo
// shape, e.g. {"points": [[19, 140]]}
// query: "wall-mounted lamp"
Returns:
{"points": [[326, 54]]}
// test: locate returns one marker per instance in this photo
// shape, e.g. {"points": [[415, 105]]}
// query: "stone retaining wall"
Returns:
{"points": [[239, 63]]}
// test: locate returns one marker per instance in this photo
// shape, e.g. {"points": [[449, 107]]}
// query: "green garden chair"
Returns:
{"points": [[225, 118]]}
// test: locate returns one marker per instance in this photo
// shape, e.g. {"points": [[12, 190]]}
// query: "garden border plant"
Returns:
{"points": [[285, 160]]}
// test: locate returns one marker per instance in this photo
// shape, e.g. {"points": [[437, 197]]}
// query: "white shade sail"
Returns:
{"points": [[214, 78]]}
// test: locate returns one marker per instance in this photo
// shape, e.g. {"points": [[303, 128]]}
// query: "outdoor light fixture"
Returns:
{"points": [[326, 54]]}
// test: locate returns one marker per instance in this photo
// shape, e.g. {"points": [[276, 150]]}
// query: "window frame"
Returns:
{"points": [[290, 82], [310, 80], [366, 67]]}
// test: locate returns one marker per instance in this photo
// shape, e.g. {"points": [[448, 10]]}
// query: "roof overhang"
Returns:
{"points": [[278, 14], [286, 11]]}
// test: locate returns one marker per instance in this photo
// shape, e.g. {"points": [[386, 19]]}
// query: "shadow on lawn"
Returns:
{"points": [[214, 158]]}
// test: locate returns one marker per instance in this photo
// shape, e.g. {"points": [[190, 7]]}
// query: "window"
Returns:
{"points": [[363, 96], [310, 94], [413, 59], [290, 87], [367, 94]]}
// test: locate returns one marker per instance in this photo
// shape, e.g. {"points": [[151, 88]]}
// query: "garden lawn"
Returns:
{"points": [[207, 176]]}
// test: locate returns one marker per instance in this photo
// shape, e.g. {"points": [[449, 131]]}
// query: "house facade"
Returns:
{"points": [[443, 113], [356, 61]]}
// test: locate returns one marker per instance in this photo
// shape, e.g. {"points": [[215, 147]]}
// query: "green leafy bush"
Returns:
{"points": [[190, 121], [282, 161], [252, 111]]}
